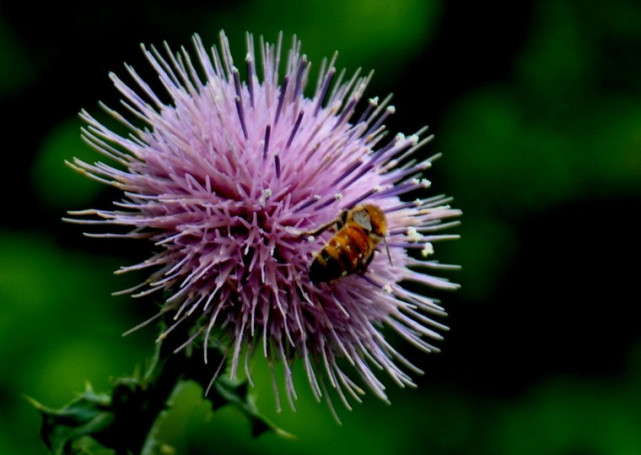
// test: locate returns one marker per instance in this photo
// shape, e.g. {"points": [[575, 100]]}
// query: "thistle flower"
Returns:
{"points": [[230, 179]]}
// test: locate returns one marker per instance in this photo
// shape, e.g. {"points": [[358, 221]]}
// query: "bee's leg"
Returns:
{"points": [[389, 256], [339, 222], [320, 230], [362, 268]]}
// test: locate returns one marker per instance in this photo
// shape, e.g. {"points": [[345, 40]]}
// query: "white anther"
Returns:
{"points": [[264, 196], [427, 250], [413, 234]]}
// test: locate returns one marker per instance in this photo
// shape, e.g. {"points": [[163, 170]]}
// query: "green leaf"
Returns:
{"points": [[125, 419], [226, 391], [238, 394], [87, 415]]}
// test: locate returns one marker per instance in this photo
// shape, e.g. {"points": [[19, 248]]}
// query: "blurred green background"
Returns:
{"points": [[536, 107]]}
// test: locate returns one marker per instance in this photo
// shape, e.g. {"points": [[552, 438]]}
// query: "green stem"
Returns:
{"points": [[138, 406]]}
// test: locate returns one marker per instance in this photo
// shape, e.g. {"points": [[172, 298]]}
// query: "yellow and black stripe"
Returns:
{"points": [[349, 251]]}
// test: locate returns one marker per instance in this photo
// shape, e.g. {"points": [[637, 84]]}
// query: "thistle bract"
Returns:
{"points": [[228, 177]]}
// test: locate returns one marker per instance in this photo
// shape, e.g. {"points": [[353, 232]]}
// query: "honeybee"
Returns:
{"points": [[352, 248]]}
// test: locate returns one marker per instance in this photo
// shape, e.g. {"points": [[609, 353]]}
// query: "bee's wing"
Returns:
{"points": [[362, 218]]}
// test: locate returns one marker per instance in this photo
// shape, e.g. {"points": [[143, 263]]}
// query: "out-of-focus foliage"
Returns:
{"points": [[541, 143], [56, 186], [16, 72], [59, 328], [565, 126], [372, 34]]}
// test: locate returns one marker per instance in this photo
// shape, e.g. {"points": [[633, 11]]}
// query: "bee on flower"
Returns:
{"points": [[352, 248], [278, 218]]}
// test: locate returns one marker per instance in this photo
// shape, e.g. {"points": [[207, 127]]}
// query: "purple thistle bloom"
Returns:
{"points": [[229, 179]]}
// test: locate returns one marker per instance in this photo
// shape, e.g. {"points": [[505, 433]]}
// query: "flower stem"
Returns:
{"points": [[138, 405]]}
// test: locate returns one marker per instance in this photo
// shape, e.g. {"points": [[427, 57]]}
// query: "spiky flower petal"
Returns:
{"points": [[228, 178]]}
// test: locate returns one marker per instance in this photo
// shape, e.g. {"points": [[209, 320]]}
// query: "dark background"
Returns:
{"points": [[536, 107]]}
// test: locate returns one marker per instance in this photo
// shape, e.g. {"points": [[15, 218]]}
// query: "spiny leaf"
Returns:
{"points": [[86, 415]]}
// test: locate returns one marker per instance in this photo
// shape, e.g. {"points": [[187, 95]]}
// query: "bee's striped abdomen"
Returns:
{"points": [[347, 252], [352, 247]]}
